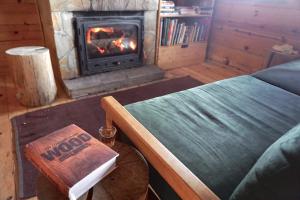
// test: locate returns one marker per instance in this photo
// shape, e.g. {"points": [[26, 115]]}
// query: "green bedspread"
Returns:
{"points": [[219, 130]]}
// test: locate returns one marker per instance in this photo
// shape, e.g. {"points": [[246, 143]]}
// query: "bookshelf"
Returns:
{"points": [[182, 15], [175, 49]]}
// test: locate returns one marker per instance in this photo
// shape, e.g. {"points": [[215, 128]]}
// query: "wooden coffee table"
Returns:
{"points": [[128, 182]]}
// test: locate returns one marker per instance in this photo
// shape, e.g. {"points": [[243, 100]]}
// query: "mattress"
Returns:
{"points": [[219, 130]]}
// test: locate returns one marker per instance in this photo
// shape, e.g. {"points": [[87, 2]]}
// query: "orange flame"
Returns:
{"points": [[101, 50], [132, 45], [96, 30], [119, 43]]}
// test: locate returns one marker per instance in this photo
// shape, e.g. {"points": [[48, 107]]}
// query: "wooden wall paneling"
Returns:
{"points": [[18, 32], [242, 40], [244, 32], [17, 1], [257, 14], [287, 4], [255, 35], [239, 59], [19, 26]]}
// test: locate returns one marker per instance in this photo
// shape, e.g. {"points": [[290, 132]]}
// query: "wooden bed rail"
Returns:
{"points": [[179, 177]]}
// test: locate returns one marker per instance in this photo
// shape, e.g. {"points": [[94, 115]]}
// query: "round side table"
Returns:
{"points": [[129, 181]]}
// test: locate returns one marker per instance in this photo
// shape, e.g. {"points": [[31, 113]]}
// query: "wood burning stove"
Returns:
{"points": [[107, 43]]}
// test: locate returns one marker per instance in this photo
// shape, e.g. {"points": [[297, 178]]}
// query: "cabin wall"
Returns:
{"points": [[19, 26], [243, 32]]}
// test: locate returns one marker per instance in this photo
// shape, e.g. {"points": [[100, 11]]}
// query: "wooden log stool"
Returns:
{"points": [[33, 74], [129, 181]]}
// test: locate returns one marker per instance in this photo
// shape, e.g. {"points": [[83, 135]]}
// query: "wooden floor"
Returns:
{"points": [[9, 107]]}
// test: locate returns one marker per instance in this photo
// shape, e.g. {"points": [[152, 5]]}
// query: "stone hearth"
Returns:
{"points": [[103, 82], [62, 13]]}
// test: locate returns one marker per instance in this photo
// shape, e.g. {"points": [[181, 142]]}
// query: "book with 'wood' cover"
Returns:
{"points": [[72, 159]]}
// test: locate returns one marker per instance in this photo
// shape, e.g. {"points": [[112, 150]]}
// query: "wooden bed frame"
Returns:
{"points": [[178, 176]]}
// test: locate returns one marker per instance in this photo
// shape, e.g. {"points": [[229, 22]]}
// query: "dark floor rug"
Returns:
{"points": [[85, 113]]}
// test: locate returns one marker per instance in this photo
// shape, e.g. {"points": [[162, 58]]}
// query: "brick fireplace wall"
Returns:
{"points": [[62, 31]]}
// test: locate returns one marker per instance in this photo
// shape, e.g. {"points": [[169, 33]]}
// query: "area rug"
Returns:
{"points": [[85, 113]]}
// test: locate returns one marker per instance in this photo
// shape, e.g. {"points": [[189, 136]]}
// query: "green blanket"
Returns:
{"points": [[219, 130]]}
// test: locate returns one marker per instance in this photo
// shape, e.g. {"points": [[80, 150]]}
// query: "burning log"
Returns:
{"points": [[110, 46]]}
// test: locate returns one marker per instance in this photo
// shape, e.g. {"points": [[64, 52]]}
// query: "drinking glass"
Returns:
{"points": [[108, 135]]}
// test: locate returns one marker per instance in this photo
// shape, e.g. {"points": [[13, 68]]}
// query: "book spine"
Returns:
{"points": [[177, 33], [166, 27], [161, 31], [170, 32], [167, 6], [194, 33], [167, 10], [183, 34], [202, 32], [174, 31], [186, 35], [205, 33], [197, 33]]}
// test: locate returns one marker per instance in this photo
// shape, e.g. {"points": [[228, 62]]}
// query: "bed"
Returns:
{"points": [[203, 141]]}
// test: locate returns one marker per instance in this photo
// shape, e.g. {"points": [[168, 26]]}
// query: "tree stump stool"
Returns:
{"points": [[33, 74], [129, 181]]}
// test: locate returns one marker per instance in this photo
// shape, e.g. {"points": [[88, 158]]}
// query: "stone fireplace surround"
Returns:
{"points": [[62, 14]]}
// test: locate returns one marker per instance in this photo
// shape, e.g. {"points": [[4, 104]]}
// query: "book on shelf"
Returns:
{"points": [[187, 35], [167, 3], [174, 32], [186, 10], [72, 159], [167, 7]]}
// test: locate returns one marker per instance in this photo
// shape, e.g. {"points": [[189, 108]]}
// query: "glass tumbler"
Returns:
{"points": [[108, 135]]}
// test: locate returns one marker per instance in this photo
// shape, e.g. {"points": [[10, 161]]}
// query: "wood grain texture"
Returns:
{"points": [[47, 191], [19, 26], [129, 181], [175, 56], [244, 32], [179, 177], [33, 74], [7, 167]]}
